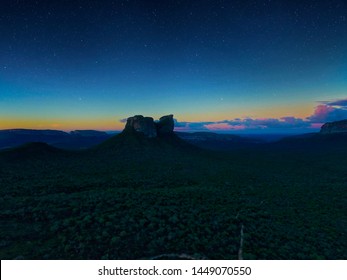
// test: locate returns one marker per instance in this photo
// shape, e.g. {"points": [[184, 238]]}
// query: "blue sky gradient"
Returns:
{"points": [[89, 64]]}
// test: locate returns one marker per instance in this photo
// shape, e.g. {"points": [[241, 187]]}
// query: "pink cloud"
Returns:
{"points": [[182, 128], [316, 125], [327, 113], [322, 111], [224, 126]]}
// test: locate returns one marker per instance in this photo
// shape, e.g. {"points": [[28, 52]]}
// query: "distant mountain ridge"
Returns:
{"points": [[138, 125], [331, 134], [144, 134], [334, 127], [77, 139]]}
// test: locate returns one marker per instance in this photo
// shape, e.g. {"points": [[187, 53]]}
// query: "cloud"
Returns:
{"points": [[338, 102], [245, 124], [224, 126], [123, 120], [321, 113], [329, 111], [292, 121], [316, 125], [191, 126], [179, 124], [262, 123]]}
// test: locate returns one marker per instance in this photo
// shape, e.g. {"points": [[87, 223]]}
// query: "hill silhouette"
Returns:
{"points": [[315, 140], [32, 150], [138, 144], [129, 140], [140, 196]]}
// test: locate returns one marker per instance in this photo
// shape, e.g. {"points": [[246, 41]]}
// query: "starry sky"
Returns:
{"points": [[228, 66]]}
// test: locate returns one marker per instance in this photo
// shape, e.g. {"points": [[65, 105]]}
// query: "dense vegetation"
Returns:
{"points": [[137, 199]]}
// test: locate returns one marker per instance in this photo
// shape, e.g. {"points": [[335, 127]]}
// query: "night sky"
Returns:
{"points": [[234, 66]]}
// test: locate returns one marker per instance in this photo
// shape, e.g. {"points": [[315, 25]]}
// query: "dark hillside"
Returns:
{"points": [[32, 151], [131, 140], [314, 141], [219, 142], [134, 197]]}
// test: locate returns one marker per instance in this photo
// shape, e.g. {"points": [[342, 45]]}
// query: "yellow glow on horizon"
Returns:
{"points": [[106, 123], [299, 111], [61, 124]]}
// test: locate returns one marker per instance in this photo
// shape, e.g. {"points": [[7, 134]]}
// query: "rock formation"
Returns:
{"points": [[142, 124], [334, 127], [165, 125], [148, 127]]}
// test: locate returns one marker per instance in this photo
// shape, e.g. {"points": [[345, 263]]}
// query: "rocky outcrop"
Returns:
{"points": [[165, 125], [148, 127], [142, 124], [334, 127]]}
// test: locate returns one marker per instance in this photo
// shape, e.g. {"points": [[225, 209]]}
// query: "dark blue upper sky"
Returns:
{"points": [[214, 64]]}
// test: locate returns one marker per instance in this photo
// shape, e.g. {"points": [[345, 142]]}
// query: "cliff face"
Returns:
{"points": [[149, 127], [334, 127], [142, 124], [165, 125]]}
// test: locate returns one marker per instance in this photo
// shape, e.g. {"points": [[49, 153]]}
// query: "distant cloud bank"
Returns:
{"points": [[329, 111], [245, 124], [326, 111]]}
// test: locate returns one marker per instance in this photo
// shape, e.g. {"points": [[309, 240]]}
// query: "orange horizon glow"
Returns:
{"points": [[108, 124], [62, 124], [217, 120]]}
